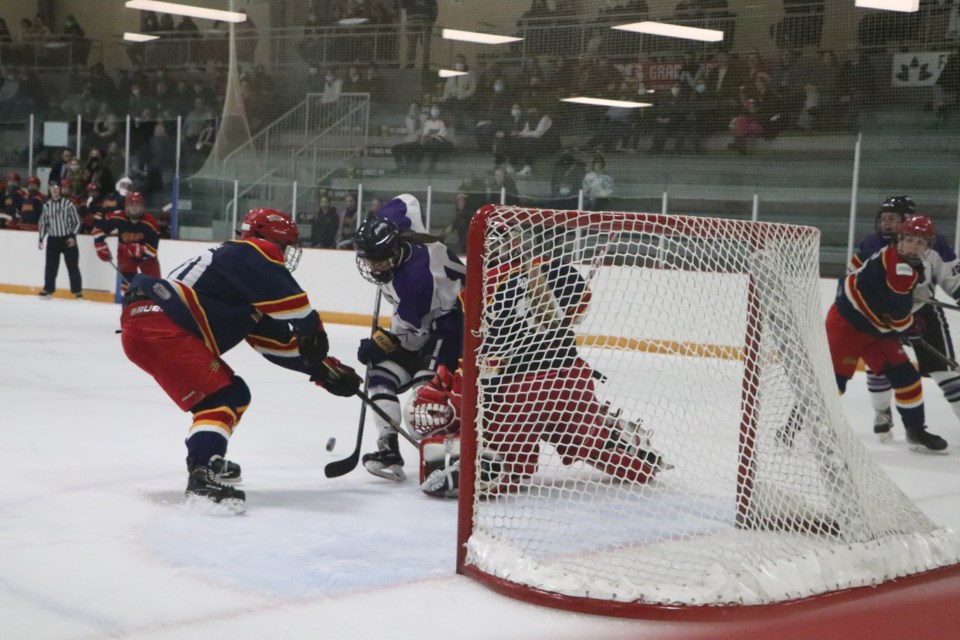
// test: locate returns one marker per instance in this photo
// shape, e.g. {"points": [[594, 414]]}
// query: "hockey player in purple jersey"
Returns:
{"points": [[422, 279], [940, 268]]}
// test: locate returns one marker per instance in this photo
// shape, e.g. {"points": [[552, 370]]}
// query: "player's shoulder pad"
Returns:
{"points": [[267, 249], [150, 221]]}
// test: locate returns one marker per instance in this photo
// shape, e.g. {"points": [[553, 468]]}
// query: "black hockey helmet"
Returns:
{"points": [[379, 249], [903, 206]]}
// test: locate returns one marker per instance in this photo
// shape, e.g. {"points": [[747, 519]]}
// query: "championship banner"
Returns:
{"points": [[917, 69]]}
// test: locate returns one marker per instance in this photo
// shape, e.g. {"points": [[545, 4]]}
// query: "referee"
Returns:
{"points": [[60, 223]]}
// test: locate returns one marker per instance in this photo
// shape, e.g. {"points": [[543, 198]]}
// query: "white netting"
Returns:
{"points": [[710, 338]]}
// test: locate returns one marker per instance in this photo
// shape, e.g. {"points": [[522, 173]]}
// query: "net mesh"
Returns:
{"points": [[657, 420]]}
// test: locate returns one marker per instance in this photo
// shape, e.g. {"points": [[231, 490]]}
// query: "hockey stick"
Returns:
{"points": [[386, 416], [929, 348], [342, 467], [119, 273], [936, 303]]}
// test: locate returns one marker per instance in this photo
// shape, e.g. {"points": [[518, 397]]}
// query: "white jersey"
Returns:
{"points": [[940, 268]]}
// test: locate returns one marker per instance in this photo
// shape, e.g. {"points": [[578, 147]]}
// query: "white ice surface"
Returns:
{"points": [[95, 543]]}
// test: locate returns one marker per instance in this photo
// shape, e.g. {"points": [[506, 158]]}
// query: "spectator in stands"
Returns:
{"points": [[142, 127], [9, 95], [827, 78], [5, 35], [567, 176], [75, 177], [205, 141], [137, 101], [462, 214], [74, 34], [246, 37], [326, 226], [436, 139], [332, 87], [163, 144], [458, 92], [597, 186], [167, 25], [502, 186], [536, 138], [97, 172], [354, 82], [348, 223], [102, 85], [694, 130], [83, 104], [60, 169], [373, 81], [139, 170], [105, 125], [722, 81], [39, 32], [670, 112], [374, 207], [498, 105], [114, 161], [508, 127], [420, 16], [407, 153], [194, 123], [745, 127]]}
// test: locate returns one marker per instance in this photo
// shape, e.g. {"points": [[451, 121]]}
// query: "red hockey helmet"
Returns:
{"points": [[65, 184], [33, 180], [133, 205], [921, 226], [276, 227], [13, 176], [93, 186]]}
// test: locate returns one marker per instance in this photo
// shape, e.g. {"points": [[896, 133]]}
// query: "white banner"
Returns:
{"points": [[918, 69]]}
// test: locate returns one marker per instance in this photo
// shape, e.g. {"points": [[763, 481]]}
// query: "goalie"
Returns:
{"points": [[537, 387]]}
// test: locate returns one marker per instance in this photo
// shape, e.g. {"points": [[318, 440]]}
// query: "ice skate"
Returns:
{"points": [[225, 470], [883, 425], [630, 437], [386, 462], [922, 441], [203, 485]]}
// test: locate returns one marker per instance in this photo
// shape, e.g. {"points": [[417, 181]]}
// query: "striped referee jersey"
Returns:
{"points": [[59, 219]]}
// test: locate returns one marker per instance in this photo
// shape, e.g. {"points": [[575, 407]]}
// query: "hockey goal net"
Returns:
{"points": [[651, 419]]}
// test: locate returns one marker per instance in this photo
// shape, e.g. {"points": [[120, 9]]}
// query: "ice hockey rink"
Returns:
{"points": [[95, 542]]}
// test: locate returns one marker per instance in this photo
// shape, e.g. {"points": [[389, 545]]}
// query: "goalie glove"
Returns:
{"points": [[378, 347], [434, 408], [103, 252], [337, 378]]}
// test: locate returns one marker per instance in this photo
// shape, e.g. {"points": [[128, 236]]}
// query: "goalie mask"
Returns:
{"points": [[278, 228], [379, 249]]}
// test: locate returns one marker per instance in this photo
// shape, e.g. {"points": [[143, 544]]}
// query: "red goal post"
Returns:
{"points": [[766, 483]]}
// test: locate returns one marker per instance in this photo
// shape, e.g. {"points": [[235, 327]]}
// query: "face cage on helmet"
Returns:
{"points": [[291, 256], [365, 267]]}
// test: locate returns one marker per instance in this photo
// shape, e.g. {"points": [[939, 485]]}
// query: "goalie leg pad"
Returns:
{"points": [[440, 466]]}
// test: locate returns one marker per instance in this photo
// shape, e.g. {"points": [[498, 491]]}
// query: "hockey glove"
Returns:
{"points": [[337, 378], [314, 349], [378, 347], [103, 252], [914, 333], [435, 407], [131, 250]]}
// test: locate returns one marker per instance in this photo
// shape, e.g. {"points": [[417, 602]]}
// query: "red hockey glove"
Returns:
{"points": [[131, 250], [337, 378], [103, 252], [435, 407]]}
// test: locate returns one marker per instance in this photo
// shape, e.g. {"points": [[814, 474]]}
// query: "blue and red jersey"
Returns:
{"points": [[30, 210], [144, 231], [240, 290], [877, 297], [12, 202]]}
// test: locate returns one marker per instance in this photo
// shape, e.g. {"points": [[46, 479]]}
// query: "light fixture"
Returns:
{"points": [[186, 10], [672, 31], [352, 22], [138, 37], [450, 73], [473, 36], [907, 6], [603, 102]]}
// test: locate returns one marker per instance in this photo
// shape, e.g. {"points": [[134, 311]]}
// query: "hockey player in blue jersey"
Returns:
{"points": [[422, 279], [940, 268], [177, 329]]}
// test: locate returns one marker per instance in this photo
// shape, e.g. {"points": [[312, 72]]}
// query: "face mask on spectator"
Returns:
{"points": [[515, 113], [675, 91], [564, 191], [701, 88], [434, 113], [498, 87]]}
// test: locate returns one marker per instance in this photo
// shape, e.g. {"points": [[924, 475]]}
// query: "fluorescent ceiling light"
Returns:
{"points": [[186, 10], [450, 73], [672, 31], [138, 37], [349, 22], [603, 102], [473, 36], [890, 5]]}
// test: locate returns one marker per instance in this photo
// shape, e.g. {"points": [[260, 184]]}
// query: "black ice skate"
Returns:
{"points": [[923, 441], [225, 470], [386, 462], [203, 484], [883, 425]]}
